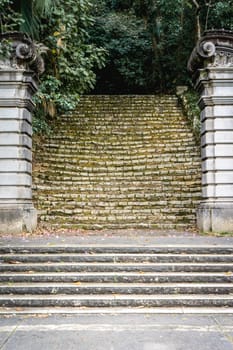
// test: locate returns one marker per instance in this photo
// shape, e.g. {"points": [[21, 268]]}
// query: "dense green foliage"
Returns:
{"points": [[71, 57], [9, 19], [63, 26], [145, 43], [189, 102], [149, 41]]}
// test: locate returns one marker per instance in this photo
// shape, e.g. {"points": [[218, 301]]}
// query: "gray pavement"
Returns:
{"points": [[117, 332], [119, 237]]}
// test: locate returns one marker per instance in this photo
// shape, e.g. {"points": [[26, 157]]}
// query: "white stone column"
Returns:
{"points": [[18, 83], [212, 66]]}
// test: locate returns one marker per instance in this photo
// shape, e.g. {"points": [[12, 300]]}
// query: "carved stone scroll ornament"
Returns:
{"points": [[25, 54], [214, 49]]}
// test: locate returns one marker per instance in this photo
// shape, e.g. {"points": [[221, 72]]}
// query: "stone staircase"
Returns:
{"points": [[119, 162], [83, 278]]}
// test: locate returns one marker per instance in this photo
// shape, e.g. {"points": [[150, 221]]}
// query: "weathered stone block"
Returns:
{"points": [[15, 113], [17, 219], [16, 126], [10, 139], [215, 217], [15, 192], [15, 165], [15, 152], [15, 179]]}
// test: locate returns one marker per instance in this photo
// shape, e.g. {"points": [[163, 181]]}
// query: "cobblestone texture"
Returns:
{"points": [[119, 162]]}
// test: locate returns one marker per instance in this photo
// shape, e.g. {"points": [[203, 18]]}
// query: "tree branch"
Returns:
{"points": [[197, 18], [207, 15], [196, 4]]}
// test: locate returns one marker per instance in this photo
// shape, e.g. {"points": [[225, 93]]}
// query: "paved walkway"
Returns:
{"points": [[117, 332], [121, 237]]}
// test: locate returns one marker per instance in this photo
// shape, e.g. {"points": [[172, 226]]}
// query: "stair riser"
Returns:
{"points": [[117, 279], [148, 152], [98, 249], [126, 259], [202, 302], [115, 290], [128, 224], [143, 268]]}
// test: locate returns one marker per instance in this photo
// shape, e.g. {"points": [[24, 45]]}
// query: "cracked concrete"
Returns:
{"points": [[117, 332]]}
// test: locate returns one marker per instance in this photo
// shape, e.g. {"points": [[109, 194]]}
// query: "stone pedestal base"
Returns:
{"points": [[17, 219], [215, 217]]}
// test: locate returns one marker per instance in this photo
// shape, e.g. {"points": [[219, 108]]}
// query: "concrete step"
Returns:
{"points": [[111, 300], [92, 224], [86, 187], [114, 258], [119, 142], [80, 288], [71, 149], [115, 276], [117, 249], [116, 159], [122, 180], [118, 200], [116, 267], [118, 277], [152, 159], [123, 219]]}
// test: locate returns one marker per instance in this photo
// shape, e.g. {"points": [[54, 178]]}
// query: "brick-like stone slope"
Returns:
{"points": [[120, 162]]}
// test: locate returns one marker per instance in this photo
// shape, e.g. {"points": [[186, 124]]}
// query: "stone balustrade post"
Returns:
{"points": [[211, 65], [18, 83]]}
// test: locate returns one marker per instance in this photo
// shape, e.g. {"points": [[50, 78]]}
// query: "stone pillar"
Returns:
{"points": [[211, 64], [18, 83]]}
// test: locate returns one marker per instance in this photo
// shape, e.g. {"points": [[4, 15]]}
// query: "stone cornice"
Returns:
{"points": [[214, 49], [17, 103], [215, 101], [24, 53]]}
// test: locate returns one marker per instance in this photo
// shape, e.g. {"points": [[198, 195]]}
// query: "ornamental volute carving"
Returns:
{"points": [[214, 49], [23, 53]]}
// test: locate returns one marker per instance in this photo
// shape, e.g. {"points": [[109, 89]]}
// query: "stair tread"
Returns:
{"points": [[96, 255], [74, 310], [126, 264], [81, 285], [126, 273], [119, 296]]}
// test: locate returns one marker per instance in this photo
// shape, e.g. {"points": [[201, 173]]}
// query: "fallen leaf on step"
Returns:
{"points": [[42, 316], [14, 262], [77, 283], [228, 273]]}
